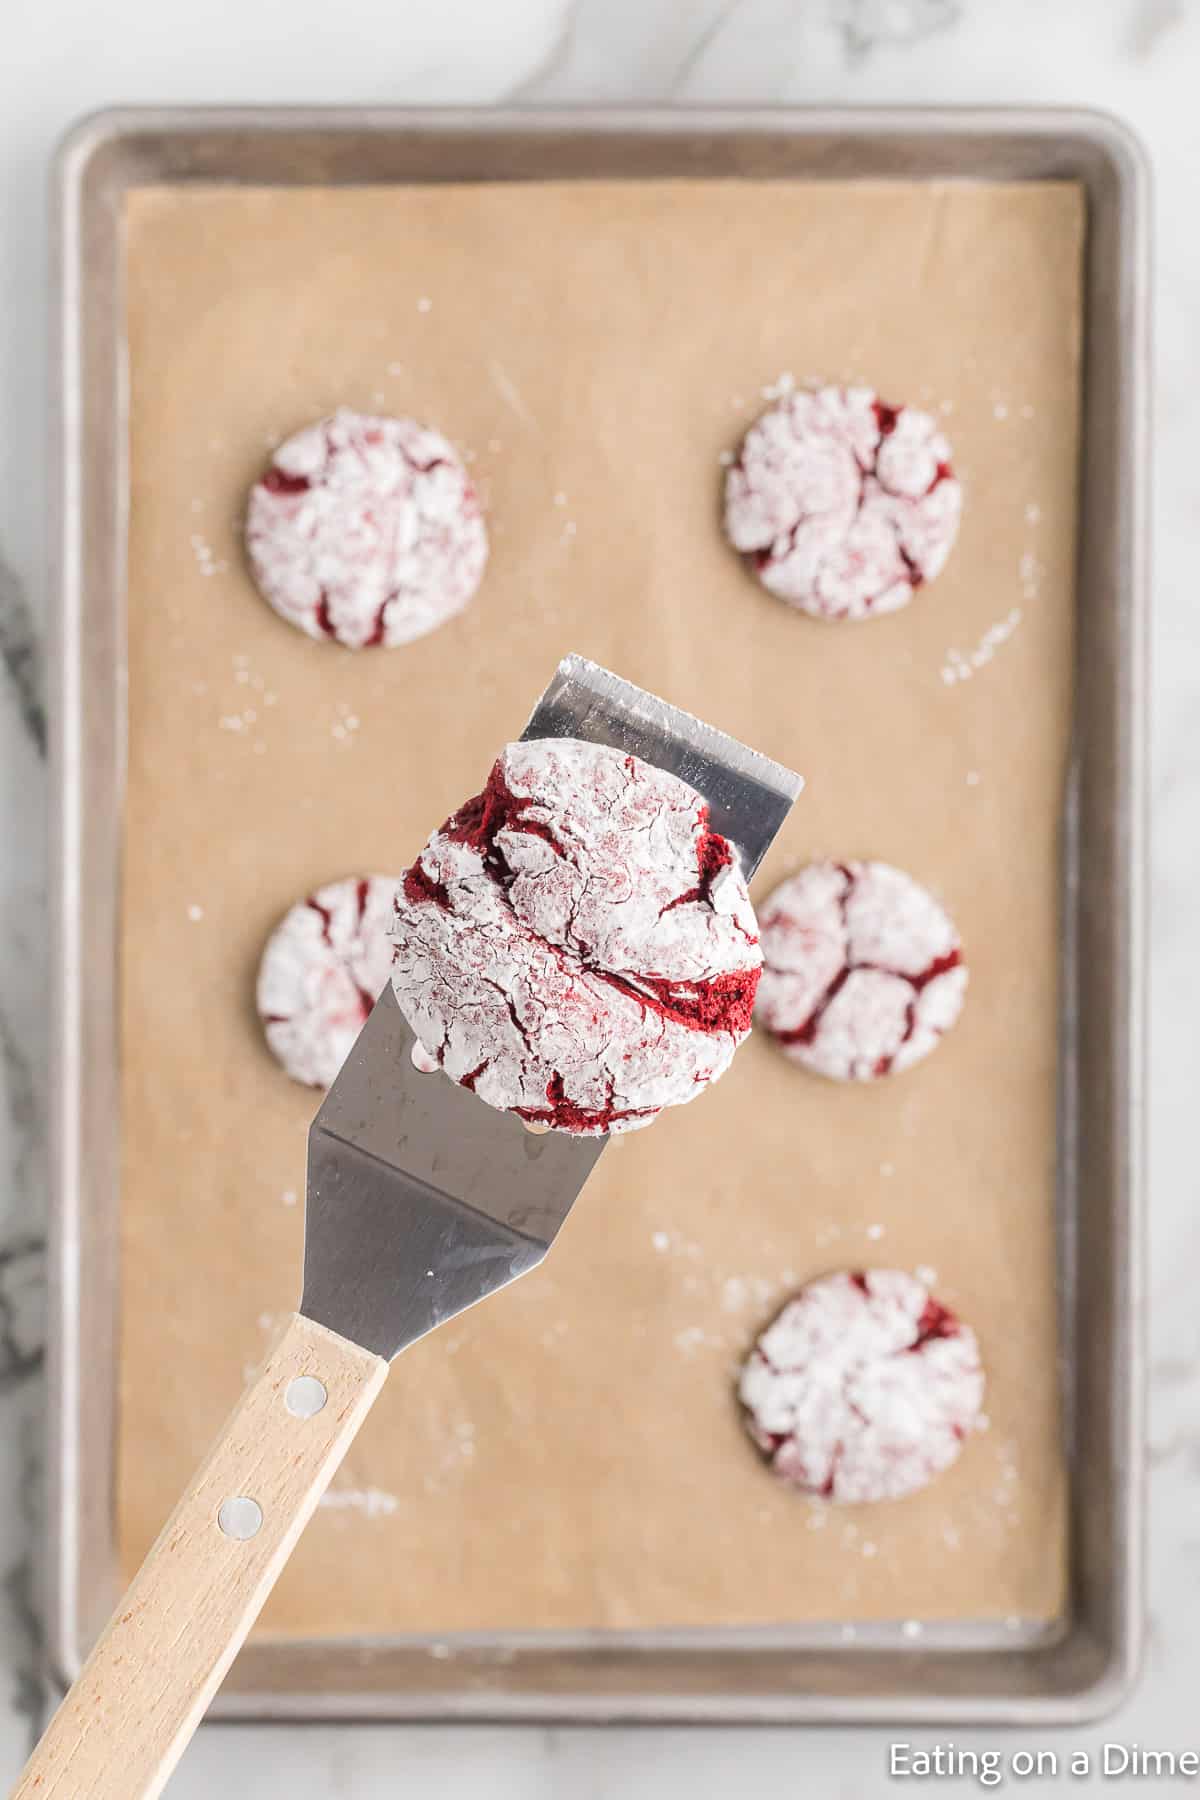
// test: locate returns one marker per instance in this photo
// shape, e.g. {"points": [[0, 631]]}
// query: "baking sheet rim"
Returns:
{"points": [[76, 157]]}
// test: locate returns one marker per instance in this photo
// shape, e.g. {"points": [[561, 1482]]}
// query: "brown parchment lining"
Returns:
{"points": [[570, 1455]]}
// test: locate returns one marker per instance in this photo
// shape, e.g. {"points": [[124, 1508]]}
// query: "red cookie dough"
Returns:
{"points": [[862, 970], [366, 530], [863, 1387], [575, 944], [325, 965], [845, 505]]}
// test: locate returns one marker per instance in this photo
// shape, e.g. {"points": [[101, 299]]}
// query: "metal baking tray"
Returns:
{"points": [[1075, 1671]]}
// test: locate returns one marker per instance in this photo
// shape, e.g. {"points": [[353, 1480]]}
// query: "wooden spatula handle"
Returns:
{"points": [[145, 1687]]}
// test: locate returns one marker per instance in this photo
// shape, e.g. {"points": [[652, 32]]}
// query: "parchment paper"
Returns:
{"points": [[570, 1454]]}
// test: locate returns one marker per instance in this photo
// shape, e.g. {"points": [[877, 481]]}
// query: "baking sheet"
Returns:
{"points": [[537, 1463]]}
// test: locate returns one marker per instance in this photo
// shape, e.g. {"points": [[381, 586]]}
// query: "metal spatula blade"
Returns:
{"points": [[748, 795], [422, 1199]]}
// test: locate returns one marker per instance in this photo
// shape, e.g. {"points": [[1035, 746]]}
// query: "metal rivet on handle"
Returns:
{"points": [[240, 1517], [305, 1396]]}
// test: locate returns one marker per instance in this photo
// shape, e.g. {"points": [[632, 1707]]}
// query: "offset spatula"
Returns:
{"points": [[421, 1201]]}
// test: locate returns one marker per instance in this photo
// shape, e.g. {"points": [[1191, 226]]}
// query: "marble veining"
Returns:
{"points": [[1134, 57], [870, 25], [20, 650]]}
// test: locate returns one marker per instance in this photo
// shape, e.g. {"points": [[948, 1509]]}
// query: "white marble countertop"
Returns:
{"points": [[65, 57]]}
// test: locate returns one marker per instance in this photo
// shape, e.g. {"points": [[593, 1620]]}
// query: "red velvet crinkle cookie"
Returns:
{"points": [[863, 1387], [366, 530], [862, 970], [575, 944], [325, 965], [845, 505]]}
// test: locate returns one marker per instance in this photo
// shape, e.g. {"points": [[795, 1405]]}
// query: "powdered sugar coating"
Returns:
{"points": [[862, 970], [324, 966], [863, 1387], [366, 530], [575, 944], [846, 505]]}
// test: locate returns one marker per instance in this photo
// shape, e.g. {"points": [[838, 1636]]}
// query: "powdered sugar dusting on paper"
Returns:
{"points": [[863, 1388], [366, 530], [1030, 571], [697, 1337], [345, 724], [574, 944], [845, 505], [741, 1294], [960, 665], [455, 1462], [676, 1244], [206, 561], [781, 387], [369, 1503], [863, 970]]}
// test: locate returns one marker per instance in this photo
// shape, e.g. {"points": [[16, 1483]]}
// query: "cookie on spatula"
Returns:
{"points": [[575, 944]]}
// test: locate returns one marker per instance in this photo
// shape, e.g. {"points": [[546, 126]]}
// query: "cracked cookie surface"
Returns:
{"points": [[366, 531], [843, 505], [863, 971], [323, 968], [574, 944], [864, 1387]]}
